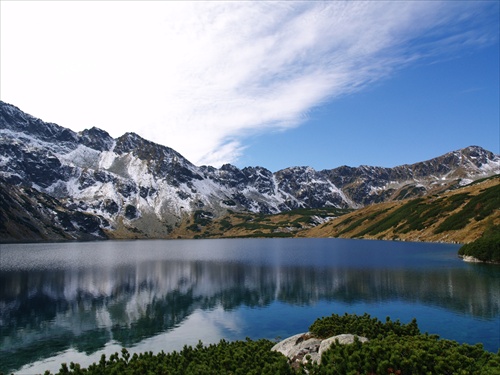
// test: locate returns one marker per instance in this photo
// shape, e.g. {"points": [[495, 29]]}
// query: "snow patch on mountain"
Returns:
{"points": [[135, 181], [81, 156], [106, 159]]}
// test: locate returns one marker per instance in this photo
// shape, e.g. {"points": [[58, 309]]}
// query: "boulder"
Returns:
{"points": [[297, 347], [304, 347], [344, 339]]}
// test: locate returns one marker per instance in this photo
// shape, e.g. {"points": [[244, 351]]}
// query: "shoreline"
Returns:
{"points": [[471, 259], [46, 241]]}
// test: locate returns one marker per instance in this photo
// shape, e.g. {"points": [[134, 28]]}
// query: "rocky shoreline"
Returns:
{"points": [[471, 259]]}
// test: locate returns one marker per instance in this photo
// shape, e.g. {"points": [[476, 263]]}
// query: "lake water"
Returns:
{"points": [[75, 301]]}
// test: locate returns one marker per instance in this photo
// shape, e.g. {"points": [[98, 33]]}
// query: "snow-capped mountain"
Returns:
{"points": [[130, 183]]}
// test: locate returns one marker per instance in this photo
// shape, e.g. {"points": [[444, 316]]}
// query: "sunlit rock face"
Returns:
{"points": [[148, 189]]}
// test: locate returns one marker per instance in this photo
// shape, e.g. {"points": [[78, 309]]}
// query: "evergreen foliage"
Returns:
{"points": [[420, 354], [393, 348], [396, 348], [239, 357], [456, 210], [410, 212], [252, 225], [363, 325], [478, 207], [360, 221], [486, 248]]}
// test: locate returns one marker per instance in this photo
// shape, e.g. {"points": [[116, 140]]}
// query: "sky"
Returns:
{"points": [[268, 83]]}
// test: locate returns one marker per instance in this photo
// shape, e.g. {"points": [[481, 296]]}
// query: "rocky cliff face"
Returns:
{"points": [[29, 215], [132, 186]]}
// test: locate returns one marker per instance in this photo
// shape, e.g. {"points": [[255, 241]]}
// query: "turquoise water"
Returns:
{"points": [[75, 301]]}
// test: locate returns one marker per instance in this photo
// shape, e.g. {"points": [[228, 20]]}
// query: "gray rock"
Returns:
{"points": [[303, 347], [154, 188], [344, 339], [297, 347]]}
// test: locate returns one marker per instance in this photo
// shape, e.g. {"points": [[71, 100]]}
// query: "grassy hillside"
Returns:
{"points": [[461, 216], [286, 224]]}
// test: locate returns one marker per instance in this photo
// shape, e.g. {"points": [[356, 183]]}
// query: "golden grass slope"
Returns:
{"points": [[457, 216], [461, 216], [247, 224]]}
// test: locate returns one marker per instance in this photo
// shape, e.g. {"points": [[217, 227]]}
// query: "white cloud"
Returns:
{"points": [[200, 76]]}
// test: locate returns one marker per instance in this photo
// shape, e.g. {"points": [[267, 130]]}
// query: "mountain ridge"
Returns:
{"points": [[135, 187], [461, 215]]}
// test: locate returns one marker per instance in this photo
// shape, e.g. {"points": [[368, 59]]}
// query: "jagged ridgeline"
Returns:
{"points": [[460, 215], [56, 184]]}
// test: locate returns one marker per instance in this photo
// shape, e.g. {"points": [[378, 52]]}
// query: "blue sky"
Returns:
{"points": [[275, 84], [419, 113]]}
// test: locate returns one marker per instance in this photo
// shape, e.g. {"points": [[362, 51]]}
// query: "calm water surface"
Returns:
{"points": [[75, 301]]}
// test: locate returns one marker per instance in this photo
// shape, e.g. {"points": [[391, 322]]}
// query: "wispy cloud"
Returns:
{"points": [[201, 76]]}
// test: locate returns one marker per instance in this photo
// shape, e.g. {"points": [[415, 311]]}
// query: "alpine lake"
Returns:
{"points": [[73, 302]]}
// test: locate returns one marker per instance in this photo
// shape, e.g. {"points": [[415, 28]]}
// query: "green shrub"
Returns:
{"points": [[393, 348], [360, 221], [478, 207], [486, 248], [420, 354], [239, 357], [225, 224], [202, 218], [363, 325]]}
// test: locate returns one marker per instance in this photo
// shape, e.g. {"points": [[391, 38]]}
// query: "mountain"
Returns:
{"points": [[57, 184], [461, 215], [29, 215]]}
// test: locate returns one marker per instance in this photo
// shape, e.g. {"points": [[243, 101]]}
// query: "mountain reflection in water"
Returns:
{"points": [[45, 311]]}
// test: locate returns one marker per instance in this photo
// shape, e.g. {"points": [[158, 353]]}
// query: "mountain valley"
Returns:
{"points": [[56, 184]]}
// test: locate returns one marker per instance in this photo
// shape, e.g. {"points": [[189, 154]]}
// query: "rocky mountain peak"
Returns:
{"points": [[477, 155], [147, 150], [97, 139], [14, 119], [135, 183], [129, 142]]}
